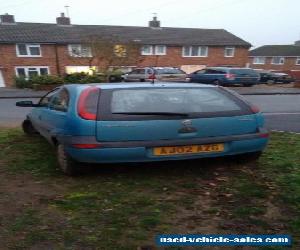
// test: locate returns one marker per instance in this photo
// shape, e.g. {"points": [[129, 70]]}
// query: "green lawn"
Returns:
{"points": [[125, 206]]}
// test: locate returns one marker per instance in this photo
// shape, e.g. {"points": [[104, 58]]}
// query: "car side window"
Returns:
{"points": [[60, 101], [210, 71], [149, 71], [45, 100], [133, 72], [202, 71]]}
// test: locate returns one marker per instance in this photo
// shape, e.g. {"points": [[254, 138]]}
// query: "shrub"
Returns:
{"points": [[75, 77], [46, 80], [21, 82]]}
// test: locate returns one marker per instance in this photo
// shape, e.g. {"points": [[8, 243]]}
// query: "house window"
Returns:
{"points": [[29, 72], [194, 51], [259, 60], [147, 50], [298, 61], [278, 60], [229, 51], [81, 69], [29, 50], [79, 50], [158, 50]]}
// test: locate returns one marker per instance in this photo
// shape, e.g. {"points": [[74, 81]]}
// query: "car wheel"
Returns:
{"points": [[28, 128], [142, 80], [248, 85], [270, 81], [67, 165], [216, 82], [247, 157]]}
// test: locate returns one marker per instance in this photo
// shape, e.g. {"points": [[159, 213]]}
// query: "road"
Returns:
{"points": [[282, 112]]}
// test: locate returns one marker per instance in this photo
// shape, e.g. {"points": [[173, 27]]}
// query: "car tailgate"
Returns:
{"points": [[173, 129]]}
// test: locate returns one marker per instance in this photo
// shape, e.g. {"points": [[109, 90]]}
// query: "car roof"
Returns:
{"points": [[227, 68], [141, 85]]}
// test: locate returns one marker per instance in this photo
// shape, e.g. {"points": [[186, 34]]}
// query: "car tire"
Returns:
{"points": [[270, 82], [248, 85], [66, 164], [247, 157], [142, 80], [28, 128], [216, 82]]}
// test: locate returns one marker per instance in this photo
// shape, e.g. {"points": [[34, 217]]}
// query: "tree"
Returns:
{"points": [[107, 52]]}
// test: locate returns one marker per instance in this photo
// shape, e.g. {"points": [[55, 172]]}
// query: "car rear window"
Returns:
{"points": [[192, 101]]}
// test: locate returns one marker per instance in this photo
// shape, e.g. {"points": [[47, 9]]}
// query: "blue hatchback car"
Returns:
{"points": [[225, 76], [139, 122]]}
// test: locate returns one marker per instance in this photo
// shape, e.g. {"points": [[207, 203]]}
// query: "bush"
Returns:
{"points": [[46, 80], [21, 82], [75, 77], [82, 78]]}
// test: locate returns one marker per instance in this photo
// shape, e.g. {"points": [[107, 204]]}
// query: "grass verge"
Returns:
{"points": [[124, 207]]}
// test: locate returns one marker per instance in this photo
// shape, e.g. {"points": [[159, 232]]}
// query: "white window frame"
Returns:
{"points": [[26, 68], [281, 60], [297, 61], [70, 49], [227, 48], [154, 50], [158, 53], [199, 51], [143, 53], [259, 57], [28, 46]]}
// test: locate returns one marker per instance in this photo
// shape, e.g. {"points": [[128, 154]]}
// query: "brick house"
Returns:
{"points": [[285, 58], [28, 49]]}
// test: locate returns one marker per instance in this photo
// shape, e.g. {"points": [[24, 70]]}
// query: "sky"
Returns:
{"points": [[259, 22]]}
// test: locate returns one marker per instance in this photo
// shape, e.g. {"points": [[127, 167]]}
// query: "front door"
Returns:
{"points": [[2, 84]]}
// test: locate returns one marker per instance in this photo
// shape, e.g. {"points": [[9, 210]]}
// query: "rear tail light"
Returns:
{"points": [[230, 76], [254, 109], [264, 135], [88, 103], [85, 146], [152, 77]]}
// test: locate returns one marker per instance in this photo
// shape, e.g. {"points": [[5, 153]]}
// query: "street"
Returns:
{"points": [[282, 112]]}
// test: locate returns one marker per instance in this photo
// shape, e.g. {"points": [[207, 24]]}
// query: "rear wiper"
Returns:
{"points": [[152, 113]]}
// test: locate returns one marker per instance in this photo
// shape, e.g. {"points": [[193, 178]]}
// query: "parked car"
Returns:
{"points": [[225, 76], [155, 73], [141, 122], [274, 77]]}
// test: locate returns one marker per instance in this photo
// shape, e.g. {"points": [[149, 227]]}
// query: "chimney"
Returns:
{"points": [[7, 19], [63, 20], [154, 23]]}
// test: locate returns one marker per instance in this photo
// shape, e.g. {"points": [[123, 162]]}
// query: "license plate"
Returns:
{"points": [[192, 149]]}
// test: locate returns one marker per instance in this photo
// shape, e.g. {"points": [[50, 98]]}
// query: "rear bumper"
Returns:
{"points": [[109, 153]]}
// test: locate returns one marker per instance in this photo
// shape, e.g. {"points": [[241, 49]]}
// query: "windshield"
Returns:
{"points": [[180, 100]]}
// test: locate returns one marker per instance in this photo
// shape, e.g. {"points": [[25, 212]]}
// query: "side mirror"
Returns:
{"points": [[26, 104]]}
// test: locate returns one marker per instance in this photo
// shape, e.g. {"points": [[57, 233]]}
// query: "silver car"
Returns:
{"points": [[155, 73]]}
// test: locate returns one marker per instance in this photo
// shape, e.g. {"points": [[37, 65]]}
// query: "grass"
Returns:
{"points": [[123, 207]]}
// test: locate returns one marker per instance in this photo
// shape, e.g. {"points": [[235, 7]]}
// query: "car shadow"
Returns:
{"points": [[203, 167]]}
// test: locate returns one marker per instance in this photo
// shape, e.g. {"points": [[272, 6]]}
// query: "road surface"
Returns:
{"points": [[282, 112]]}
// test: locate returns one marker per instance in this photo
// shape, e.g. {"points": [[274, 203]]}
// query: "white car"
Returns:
{"points": [[155, 73]]}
